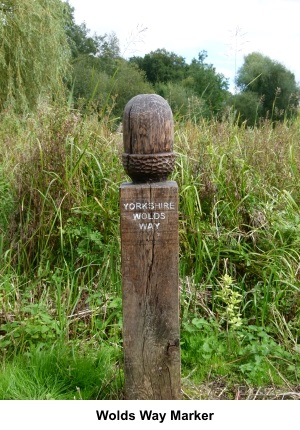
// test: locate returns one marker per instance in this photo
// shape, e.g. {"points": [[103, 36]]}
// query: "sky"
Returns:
{"points": [[227, 29]]}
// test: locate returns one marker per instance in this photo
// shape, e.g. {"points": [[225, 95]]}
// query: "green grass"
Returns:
{"points": [[60, 282], [63, 372]]}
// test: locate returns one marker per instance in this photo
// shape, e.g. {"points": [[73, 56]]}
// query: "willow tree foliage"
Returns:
{"points": [[34, 52]]}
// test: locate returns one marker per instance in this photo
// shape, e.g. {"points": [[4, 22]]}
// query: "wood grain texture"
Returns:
{"points": [[148, 136], [149, 251]]}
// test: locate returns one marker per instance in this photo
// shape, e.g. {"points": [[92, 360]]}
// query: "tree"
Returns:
{"points": [[248, 106], [127, 82], [98, 91], [34, 53], [161, 66], [196, 84], [80, 42], [180, 98], [207, 84], [272, 84], [103, 82], [84, 46]]}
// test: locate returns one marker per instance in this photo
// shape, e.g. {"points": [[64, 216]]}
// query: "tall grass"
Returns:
{"points": [[239, 245], [240, 211]]}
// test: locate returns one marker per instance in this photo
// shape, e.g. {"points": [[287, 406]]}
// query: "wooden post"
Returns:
{"points": [[149, 252]]}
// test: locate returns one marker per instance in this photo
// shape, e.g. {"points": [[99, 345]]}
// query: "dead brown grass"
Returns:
{"points": [[222, 389]]}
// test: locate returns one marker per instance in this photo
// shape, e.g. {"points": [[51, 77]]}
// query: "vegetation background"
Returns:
{"points": [[238, 159]]}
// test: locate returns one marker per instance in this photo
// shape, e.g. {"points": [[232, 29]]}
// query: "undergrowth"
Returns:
{"points": [[60, 284]]}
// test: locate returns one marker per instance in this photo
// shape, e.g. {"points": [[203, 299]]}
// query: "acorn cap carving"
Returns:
{"points": [[148, 137]]}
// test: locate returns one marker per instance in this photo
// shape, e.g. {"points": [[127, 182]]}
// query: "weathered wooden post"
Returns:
{"points": [[149, 252]]}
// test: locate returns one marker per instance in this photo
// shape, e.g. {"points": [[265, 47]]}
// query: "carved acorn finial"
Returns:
{"points": [[148, 136]]}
